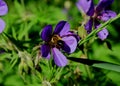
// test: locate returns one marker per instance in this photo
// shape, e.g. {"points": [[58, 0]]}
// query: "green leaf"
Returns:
{"points": [[108, 66], [97, 63]]}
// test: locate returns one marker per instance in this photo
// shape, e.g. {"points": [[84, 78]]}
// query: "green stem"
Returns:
{"points": [[88, 37], [97, 30], [22, 2], [87, 68], [57, 75]]}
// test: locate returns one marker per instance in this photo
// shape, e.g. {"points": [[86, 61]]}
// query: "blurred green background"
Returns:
{"points": [[20, 61]]}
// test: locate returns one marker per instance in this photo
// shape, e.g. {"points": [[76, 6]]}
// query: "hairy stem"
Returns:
{"points": [[89, 36]]}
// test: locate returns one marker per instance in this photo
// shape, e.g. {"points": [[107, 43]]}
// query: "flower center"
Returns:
{"points": [[94, 16], [56, 41]]}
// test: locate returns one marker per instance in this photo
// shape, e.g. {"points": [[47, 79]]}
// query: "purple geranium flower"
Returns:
{"points": [[61, 39], [3, 11], [96, 13]]}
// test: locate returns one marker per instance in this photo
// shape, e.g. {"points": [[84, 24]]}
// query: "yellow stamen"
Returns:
{"points": [[54, 40]]}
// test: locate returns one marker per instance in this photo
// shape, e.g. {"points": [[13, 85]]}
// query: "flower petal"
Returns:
{"points": [[73, 33], [59, 58], [106, 15], [3, 8], [62, 28], [65, 47], [46, 33], [71, 41], [103, 34], [87, 6], [89, 25], [2, 25], [103, 4], [45, 51]]}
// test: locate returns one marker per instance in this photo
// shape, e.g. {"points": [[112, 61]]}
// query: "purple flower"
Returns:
{"points": [[96, 14], [3, 11], [61, 39]]}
